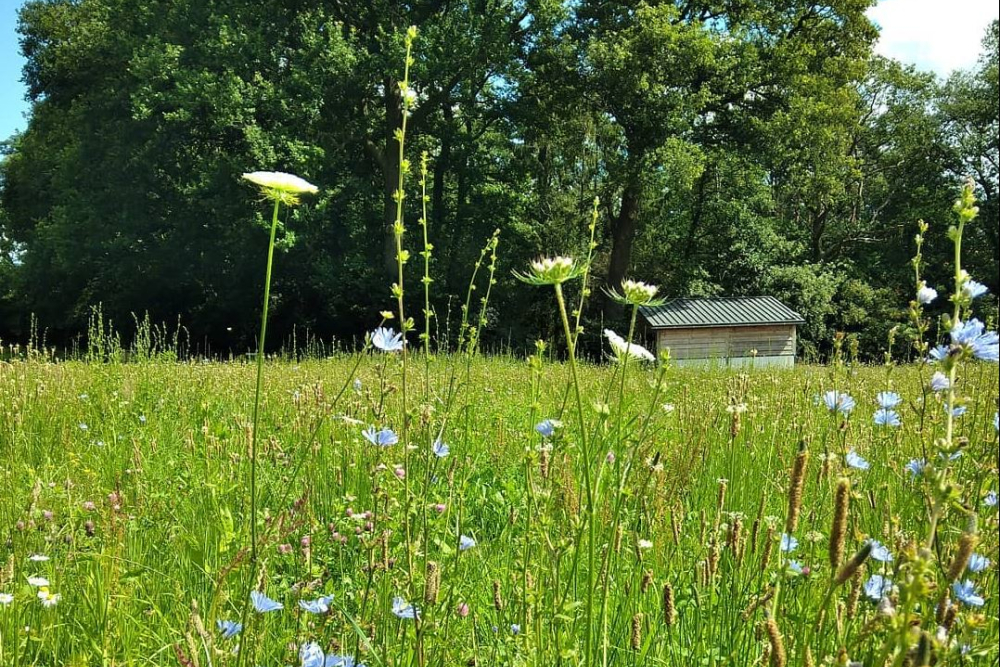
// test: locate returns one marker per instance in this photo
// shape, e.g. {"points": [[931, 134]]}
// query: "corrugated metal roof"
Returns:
{"points": [[733, 311]]}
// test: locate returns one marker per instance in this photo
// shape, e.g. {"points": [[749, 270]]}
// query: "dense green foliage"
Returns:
{"points": [[737, 148]]}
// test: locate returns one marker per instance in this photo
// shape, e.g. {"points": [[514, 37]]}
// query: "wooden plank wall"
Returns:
{"points": [[728, 342]]}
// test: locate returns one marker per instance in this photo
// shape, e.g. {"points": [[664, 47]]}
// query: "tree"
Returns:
{"points": [[697, 73]]}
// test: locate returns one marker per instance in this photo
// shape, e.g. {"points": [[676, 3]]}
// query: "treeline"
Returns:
{"points": [[736, 148]]}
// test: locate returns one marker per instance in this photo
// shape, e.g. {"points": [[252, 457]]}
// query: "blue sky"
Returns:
{"points": [[914, 31], [12, 104]]}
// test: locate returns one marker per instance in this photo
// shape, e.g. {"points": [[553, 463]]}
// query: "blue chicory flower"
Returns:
{"points": [[382, 438], [965, 591], [888, 399], [402, 609], [838, 402], [916, 467], [387, 339], [973, 289], [925, 295], [228, 628], [465, 543], [938, 353], [311, 655], [320, 605], [880, 552], [856, 461], [547, 427], [440, 449], [939, 381], [264, 604], [957, 411], [887, 417], [972, 335], [788, 543], [978, 563], [877, 587]]}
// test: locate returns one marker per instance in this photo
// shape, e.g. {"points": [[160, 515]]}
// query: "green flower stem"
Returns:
{"points": [[256, 416], [398, 230], [936, 505], [585, 278], [621, 487], [591, 541], [427, 276], [260, 382]]}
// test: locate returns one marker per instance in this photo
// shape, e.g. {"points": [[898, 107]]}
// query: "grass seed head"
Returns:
{"points": [[795, 486], [838, 532]]}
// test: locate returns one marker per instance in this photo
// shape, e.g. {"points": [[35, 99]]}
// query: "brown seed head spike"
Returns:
{"points": [[497, 600], [852, 565], [778, 656], [432, 583], [795, 489], [841, 508], [765, 558], [647, 580], [966, 545], [669, 611]]}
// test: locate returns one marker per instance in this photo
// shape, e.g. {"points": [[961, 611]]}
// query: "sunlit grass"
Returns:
{"points": [[131, 479]]}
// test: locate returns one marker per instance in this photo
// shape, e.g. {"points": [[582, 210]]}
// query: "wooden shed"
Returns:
{"points": [[728, 331]]}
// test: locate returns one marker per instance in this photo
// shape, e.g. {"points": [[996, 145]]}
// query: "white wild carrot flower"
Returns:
{"points": [[279, 186], [621, 349]]}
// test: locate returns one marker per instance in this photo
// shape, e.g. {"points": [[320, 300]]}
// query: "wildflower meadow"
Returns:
{"points": [[394, 505]]}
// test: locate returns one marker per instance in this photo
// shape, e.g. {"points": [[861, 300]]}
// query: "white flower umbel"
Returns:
{"points": [[622, 349], [550, 271], [635, 293], [279, 186]]}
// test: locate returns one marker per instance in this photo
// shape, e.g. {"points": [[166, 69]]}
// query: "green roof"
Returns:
{"points": [[731, 311]]}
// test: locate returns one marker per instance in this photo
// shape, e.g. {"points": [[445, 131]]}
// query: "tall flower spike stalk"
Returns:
{"points": [[398, 228], [466, 332], [585, 281], [491, 270], [279, 188], [923, 295], [426, 254], [966, 211]]}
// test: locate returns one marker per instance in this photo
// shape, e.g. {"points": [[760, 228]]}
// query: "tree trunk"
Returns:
{"points": [[623, 229]]}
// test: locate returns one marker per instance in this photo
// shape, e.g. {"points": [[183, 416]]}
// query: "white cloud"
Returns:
{"points": [[932, 34]]}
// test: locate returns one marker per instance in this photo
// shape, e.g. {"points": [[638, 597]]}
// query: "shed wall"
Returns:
{"points": [[775, 344]]}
